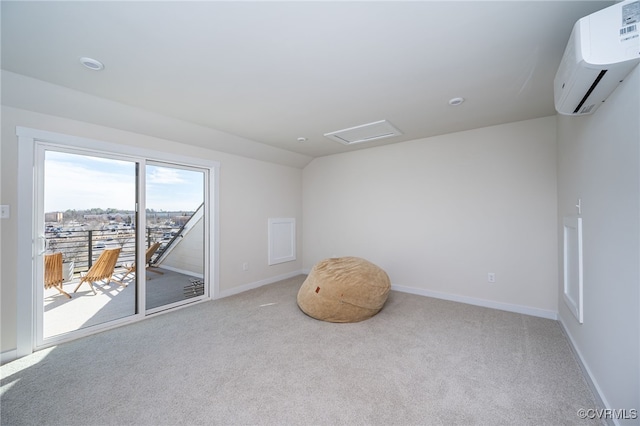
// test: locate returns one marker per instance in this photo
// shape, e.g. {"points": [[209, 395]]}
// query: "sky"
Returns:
{"points": [[80, 182]]}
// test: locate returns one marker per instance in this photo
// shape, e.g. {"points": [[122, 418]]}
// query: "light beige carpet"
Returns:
{"points": [[255, 358]]}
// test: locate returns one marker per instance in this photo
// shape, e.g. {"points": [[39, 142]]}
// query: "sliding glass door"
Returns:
{"points": [[176, 235], [108, 233], [100, 261], [88, 241]]}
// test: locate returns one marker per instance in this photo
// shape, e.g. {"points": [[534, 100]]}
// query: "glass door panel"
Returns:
{"points": [[89, 217], [175, 235]]}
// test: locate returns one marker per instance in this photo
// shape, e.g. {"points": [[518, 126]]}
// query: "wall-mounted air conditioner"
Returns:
{"points": [[603, 49]]}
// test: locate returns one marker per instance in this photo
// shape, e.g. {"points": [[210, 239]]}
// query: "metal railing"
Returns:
{"points": [[83, 247]]}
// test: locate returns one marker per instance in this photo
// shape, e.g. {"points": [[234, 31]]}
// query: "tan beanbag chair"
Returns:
{"points": [[344, 289]]}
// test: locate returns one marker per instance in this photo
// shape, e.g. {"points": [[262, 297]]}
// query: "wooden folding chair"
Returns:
{"points": [[102, 269], [53, 272], [147, 261]]}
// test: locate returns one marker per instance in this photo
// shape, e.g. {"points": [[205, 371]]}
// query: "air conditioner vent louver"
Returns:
{"points": [[364, 133]]}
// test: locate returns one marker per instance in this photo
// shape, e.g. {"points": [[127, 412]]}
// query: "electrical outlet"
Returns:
{"points": [[491, 277]]}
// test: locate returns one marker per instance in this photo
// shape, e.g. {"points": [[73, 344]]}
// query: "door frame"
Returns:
{"points": [[28, 241]]}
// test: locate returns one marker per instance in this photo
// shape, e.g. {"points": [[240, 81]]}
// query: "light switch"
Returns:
{"points": [[5, 211]]}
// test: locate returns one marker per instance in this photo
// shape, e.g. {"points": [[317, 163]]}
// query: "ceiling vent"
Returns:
{"points": [[364, 133]]}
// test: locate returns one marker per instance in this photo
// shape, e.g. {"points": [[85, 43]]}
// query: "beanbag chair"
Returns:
{"points": [[344, 289]]}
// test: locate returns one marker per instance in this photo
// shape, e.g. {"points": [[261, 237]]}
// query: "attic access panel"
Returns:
{"points": [[364, 133], [573, 266]]}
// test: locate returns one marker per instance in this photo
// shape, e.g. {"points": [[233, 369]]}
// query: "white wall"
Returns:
{"points": [[438, 214], [599, 162], [251, 191], [186, 255]]}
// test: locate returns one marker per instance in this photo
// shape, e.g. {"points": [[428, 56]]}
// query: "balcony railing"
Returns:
{"points": [[84, 247]]}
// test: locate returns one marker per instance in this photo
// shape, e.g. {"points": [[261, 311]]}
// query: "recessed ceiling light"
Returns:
{"points": [[456, 101], [92, 64], [302, 139]]}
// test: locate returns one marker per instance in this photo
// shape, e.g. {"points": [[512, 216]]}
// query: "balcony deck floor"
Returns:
{"points": [[84, 309]]}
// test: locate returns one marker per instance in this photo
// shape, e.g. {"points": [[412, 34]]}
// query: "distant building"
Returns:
{"points": [[181, 220], [95, 216], [53, 217]]}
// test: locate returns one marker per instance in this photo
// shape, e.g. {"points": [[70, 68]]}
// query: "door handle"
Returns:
{"points": [[43, 245]]}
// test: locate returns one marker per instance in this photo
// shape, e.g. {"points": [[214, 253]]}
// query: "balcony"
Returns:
{"points": [[165, 285]]}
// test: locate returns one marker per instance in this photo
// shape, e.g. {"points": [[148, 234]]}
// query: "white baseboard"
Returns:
{"points": [[526, 310], [8, 356], [586, 372], [256, 284], [180, 271]]}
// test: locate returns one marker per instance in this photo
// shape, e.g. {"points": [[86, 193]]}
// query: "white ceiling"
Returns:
{"points": [[272, 72]]}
